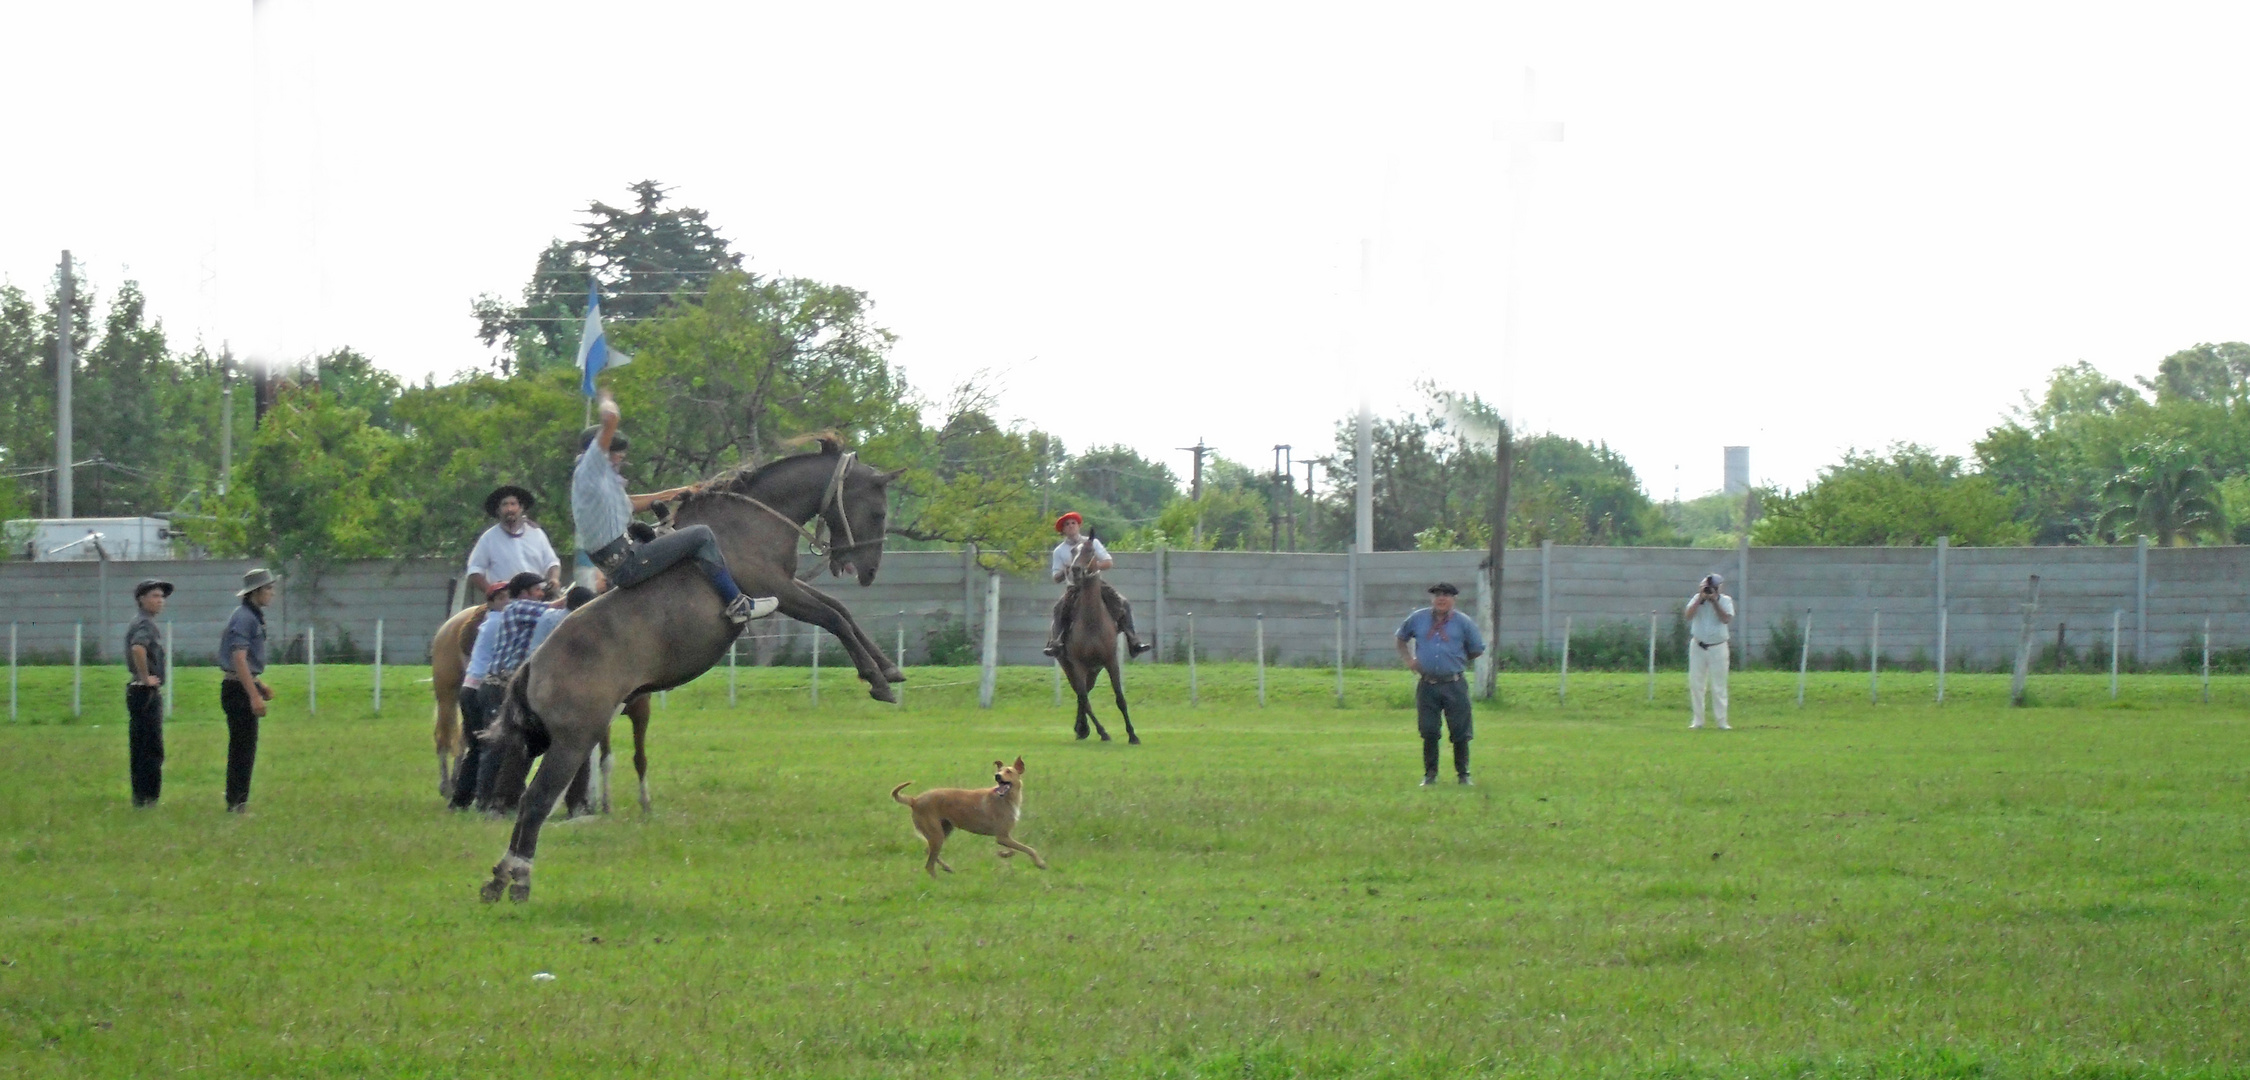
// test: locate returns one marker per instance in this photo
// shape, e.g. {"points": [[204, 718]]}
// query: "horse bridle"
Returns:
{"points": [[830, 496]]}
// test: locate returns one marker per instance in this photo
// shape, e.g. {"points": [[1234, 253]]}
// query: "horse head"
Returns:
{"points": [[1082, 564], [858, 516]]}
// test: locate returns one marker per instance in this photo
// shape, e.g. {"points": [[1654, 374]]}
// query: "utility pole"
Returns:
{"points": [[1284, 475], [66, 358], [226, 416], [1363, 530], [1312, 509], [1195, 485]]}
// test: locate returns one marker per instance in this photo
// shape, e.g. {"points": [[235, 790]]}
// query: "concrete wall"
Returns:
{"points": [[1304, 599]]}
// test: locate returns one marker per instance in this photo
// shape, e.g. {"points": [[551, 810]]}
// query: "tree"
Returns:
{"points": [[321, 485], [757, 362], [976, 482], [2052, 456], [2164, 492], [2211, 374], [643, 258], [1116, 486], [1909, 497]]}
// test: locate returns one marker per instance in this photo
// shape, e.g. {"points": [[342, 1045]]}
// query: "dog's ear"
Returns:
{"points": [[1019, 765], [999, 765]]}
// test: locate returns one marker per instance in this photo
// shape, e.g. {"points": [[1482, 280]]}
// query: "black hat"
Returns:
{"points": [[577, 597], [492, 501], [586, 439], [1444, 588], [151, 585], [525, 582]]}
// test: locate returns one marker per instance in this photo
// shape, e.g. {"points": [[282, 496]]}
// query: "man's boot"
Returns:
{"points": [[1429, 761], [1461, 762], [746, 607]]}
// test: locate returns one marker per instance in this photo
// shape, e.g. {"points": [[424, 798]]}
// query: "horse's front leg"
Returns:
{"points": [[883, 663], [1117, 687], [807, 605]]}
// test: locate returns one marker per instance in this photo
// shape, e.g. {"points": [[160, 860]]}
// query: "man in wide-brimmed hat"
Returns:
{"points": [[1072, 527], [1438, 644], [144, 695], [513, 545], [242, 653]]}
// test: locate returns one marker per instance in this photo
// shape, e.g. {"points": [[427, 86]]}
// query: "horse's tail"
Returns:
{"points": [[897, 799], [516, 716]]}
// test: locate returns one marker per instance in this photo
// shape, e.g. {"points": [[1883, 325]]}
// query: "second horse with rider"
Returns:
{"points": [[1072, 527]]}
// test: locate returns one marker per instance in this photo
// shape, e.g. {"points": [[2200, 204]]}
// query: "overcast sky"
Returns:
{"points": [[1800, 227]]}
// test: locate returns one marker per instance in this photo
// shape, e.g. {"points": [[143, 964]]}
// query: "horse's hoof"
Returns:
{"points": [[519, 892], [490, 894], [883, 694], [1105, 736], [894, 675], [1133, 740], [1082, 736]]}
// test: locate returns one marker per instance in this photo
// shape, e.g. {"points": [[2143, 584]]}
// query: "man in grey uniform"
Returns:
{"points": [[242, 653]]}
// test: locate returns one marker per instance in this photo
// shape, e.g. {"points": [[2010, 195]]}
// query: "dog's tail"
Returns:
{"points": [[897, 799]]}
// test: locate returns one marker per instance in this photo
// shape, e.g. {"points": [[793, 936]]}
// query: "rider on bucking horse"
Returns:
{"points": [[599, 501], [1070, 526]]}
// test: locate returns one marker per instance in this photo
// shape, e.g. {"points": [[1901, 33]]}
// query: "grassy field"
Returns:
{"points": [[1843, 890]]}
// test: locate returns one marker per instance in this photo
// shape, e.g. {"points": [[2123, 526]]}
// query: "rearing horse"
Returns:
{"points": [[1092, 646], [669, 629]]}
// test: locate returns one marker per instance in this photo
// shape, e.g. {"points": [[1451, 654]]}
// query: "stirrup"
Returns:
{"points": [[1054, 648], [1140, 647]]}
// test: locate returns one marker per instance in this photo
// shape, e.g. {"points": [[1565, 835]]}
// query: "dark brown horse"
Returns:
{"points": [[668, 630], [1092, 646]]}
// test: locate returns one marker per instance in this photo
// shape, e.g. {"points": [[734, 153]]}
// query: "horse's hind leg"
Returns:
{"points": [[637, 710], [513, 872], [1117, 687], [447, 736]]}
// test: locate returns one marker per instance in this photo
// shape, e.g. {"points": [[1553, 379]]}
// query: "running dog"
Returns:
{"points": [[988, 811]]}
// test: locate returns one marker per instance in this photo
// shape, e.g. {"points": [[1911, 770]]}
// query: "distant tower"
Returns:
{"points": [[1738, 470]]}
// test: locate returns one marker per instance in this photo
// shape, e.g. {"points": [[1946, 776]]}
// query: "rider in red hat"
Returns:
{"points": [[1070, 525]]}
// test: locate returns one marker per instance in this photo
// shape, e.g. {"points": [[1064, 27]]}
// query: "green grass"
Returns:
{"points": [[1845, 890]]}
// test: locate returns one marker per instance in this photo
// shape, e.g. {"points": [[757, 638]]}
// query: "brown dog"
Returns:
{"points": [[988, 811]]}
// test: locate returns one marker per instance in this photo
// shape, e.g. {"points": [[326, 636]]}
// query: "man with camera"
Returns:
{"points": [[1709, 612]]}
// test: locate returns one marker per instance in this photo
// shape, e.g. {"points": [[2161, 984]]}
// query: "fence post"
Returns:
{"points": [[1875, 658], [1942, 619], [2023, 647], [379, 666], [1804, 656], [1156, 655], [1562, 685], [1261, 659], [991, 637], [732, 647], [77, 657], [12, 672], [1652, 656], [2207, 659], [312, 671], [900, 660], [1191, 657], [1339, 659], [815, 663], [2115, 616], [1351, 598], [1546, 593], [2140, 601]]}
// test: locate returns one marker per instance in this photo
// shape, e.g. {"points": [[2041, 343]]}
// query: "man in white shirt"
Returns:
{"points": [[513, 545], [1071, 526], [1709, 612]]}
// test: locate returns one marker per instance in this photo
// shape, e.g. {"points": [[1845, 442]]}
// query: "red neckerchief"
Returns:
{"points": [[1437, 626]]}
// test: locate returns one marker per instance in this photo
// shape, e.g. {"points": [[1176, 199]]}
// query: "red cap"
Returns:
{"points": [[1069, 517], [497, 586]]}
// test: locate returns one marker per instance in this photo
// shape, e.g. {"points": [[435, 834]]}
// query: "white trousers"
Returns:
{"points": [[1707, 668]]}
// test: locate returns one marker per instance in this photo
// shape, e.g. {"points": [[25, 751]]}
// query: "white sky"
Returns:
{"points": [[1800, 227]]}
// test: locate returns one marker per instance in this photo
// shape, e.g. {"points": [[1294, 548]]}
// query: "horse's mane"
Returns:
{"points": [[740, 479]]}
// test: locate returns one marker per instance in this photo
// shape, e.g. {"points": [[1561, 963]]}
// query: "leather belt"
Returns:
{"points": [[1453, 678], [612, 554], [1709, 644]]}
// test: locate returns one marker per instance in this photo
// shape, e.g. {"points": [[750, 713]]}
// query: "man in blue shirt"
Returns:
{"points": [[1438, 644], [243, 696]]}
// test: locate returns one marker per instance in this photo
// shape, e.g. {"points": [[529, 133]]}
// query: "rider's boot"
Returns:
{"points": [[745, 607]]}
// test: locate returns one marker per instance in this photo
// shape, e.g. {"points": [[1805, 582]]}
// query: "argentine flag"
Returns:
{"points": [[594, 353]]}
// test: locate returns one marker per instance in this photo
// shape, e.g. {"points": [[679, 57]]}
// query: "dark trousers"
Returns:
{"points": [[485, 780], [242, 740], [1449, 701], [698, 542], [473, 721], [1120, 612], [144, 741]]}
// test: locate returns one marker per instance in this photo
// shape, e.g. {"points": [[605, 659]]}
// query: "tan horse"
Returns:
{"points": [[449, 663]]}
